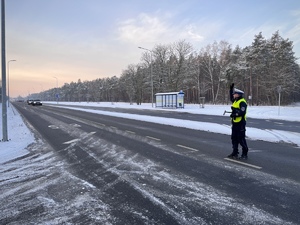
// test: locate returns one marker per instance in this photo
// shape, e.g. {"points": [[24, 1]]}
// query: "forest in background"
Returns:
{"points": [[262, 70]]}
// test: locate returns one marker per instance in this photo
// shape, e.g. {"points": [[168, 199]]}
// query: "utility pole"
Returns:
{"points": [[4, 107]]}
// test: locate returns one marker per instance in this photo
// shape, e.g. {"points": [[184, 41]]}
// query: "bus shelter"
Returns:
{"points": [[169, 100]]}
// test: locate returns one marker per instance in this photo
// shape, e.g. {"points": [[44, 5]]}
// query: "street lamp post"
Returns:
{"points": [[3, 63], [13, 60], [151, 72], [56, 95]]}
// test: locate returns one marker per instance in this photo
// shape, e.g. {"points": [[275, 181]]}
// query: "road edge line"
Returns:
{"points": [[243, 163]]}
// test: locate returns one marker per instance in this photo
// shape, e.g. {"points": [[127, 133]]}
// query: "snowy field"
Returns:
{"points": [[20, 136]]}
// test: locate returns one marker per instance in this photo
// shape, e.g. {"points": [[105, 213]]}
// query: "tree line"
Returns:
{"points": [[262, 70]]}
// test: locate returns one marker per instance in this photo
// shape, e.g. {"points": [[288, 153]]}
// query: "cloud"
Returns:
{"points": [[164, 28], [144, 28], [192, 33]]}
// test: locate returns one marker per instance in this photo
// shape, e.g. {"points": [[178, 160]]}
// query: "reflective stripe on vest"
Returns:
{"points": [[236, 104]]}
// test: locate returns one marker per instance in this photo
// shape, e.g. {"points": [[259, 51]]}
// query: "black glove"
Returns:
{"points": [[232, 115]]}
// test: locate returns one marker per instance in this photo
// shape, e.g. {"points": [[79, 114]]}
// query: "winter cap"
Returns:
{"points": [[237, 91]]}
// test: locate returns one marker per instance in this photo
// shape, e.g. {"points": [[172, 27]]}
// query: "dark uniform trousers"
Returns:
{"points": [[238, 136]]}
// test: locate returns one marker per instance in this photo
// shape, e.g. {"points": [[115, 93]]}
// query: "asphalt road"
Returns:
{"points": [[108, 170]]}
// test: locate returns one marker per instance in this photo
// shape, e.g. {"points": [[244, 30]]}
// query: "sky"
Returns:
{"points": [[60, 41], [22, 137]]}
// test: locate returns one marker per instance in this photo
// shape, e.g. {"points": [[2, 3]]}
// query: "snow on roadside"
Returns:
{"points": [[252, 133], [18, 134], [289, 113]]}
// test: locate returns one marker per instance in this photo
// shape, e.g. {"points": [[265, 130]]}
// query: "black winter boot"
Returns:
{"points": [[243, 156], [233, 156]]}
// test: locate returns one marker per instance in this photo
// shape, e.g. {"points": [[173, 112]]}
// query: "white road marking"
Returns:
{"points": [[54, 127], [279, 123], [157, 139], [243, 163], [186, 147], [88, 134], [70, 142], [255, 150], [75, 125], [128, 131]]}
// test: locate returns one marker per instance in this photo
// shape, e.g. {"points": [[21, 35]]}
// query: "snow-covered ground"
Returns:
{"points": [[20, 136]]}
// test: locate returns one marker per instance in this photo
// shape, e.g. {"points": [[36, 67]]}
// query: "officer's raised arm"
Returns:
{"points": [[231, 90]]}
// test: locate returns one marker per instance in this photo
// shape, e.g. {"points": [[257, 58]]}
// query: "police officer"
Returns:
{"points": [[238, 120]]}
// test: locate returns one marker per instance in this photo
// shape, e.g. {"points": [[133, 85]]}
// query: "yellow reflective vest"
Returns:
{"points": [[236, 105]]}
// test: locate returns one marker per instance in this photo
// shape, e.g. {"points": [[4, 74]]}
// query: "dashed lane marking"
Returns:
{"points": [[279, 123], [54, 127], [157, 139], [186, 147], [252, 151], [131, 132], [75, 125], [243, 163], [70, 142], [77, 139], [91, 133]]}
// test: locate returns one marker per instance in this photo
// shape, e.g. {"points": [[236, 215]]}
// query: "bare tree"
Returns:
{"points": [[258, 69]]}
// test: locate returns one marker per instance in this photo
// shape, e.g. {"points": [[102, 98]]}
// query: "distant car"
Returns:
{"points": [[29, 101], [36, 102]]}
